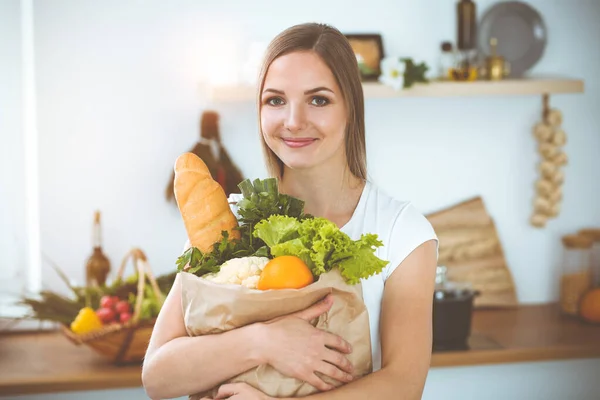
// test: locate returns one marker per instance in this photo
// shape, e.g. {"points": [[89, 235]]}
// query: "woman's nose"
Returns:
{"points": [[296, 118]]}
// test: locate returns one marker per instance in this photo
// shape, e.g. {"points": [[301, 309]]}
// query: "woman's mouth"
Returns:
{"points": [[298, 142]]}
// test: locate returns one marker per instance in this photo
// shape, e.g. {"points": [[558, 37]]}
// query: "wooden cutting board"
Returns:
{"points": [[471, 250]]}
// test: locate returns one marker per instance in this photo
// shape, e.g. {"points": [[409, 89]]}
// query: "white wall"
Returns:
{"points": [[118, 101], [12, 187]]}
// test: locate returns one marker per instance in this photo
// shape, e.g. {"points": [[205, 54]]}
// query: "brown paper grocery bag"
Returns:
{"points": [[210, 308]]}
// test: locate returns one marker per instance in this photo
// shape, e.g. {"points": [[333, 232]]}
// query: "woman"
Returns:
{"points": [[311, 116]]}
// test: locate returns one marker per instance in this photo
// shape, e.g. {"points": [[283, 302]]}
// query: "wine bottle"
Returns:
{"points": [[98, 265], [466, 11]]}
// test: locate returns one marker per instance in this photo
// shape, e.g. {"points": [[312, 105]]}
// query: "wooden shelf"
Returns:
{"points": [[48, 362], [374, 90]]}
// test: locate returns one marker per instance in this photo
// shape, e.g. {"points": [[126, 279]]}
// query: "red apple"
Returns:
{"points": [[122, 307], [125, 317], [106, 315]]}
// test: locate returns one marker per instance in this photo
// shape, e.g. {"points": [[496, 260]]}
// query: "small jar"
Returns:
{"points": [[576, 276], [447, 61], [594, 234]]}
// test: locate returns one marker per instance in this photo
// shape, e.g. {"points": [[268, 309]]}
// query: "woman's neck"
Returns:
{"points": [[331, 193]]}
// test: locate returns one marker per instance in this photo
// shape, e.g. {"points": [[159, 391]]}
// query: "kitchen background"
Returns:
{"points": [[119, 97]]}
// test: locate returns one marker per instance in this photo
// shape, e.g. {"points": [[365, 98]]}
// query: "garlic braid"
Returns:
{"points": [[551, 139]]}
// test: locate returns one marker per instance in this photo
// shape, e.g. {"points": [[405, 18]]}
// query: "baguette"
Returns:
{"points": [[202, 203]]}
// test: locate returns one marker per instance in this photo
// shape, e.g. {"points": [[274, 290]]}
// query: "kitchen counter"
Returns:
{"points": [[525, 333], [44, 362]]}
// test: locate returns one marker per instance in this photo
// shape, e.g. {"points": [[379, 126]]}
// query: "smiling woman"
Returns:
{"points": [[305, 112], [311, 114], [301, 77]]}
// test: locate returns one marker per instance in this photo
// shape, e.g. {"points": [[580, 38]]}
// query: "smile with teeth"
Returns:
{"points": [[298, 142]]}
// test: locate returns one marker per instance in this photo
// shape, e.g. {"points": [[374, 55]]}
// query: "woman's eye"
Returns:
{"points": [[274, 101], [319, 101]]}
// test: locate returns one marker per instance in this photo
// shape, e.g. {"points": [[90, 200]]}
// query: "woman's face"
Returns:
{"points": [[303, 116]]}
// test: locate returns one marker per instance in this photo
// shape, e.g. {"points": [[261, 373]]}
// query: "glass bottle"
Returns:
{"points": [[466, 37], [97, 265], [594, 234], [576, 276], [447, 61]]}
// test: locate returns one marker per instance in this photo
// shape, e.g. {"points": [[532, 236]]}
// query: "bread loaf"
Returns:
{"points": [[202, 203]]}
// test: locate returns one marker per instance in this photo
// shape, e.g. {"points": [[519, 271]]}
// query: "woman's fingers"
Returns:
{"points": [[331, 371], [316, 310], [318, 383], [334, 372], [338, 360], [336, 343], [227, 390]]}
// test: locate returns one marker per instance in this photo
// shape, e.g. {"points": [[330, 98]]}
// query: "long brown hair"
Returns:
{"points": [[335, 50]]}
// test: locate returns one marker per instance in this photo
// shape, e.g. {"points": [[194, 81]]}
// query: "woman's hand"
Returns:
{"points": [[239, 391], [297, 349]]}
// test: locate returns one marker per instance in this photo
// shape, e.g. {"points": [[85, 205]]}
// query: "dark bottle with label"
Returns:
{"points": [[466, 12], [98, 265]]}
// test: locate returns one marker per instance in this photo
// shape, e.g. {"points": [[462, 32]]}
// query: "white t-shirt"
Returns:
{"points": [[401, 228]]}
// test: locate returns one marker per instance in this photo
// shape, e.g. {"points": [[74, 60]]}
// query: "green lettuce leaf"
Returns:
{"points": [[277, 229], [362, 263], [295, 247], [323, 235], [322, 246]]}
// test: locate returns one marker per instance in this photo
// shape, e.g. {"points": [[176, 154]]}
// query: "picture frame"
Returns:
{"points": [[369, 49]]}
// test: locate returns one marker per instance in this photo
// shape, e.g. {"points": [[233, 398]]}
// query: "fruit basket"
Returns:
{"points": [[124, 341]]}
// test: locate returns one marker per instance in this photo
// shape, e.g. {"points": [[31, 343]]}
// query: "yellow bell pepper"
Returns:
{"points": [[86, 321]]}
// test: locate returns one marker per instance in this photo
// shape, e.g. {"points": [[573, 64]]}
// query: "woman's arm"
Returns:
{"points": [[406, 333], [178, 365]]}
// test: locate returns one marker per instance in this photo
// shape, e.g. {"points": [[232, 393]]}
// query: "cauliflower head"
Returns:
{"points": [[243, 271]]}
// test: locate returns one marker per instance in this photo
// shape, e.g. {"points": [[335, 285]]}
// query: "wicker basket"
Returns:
{"points": [[124, 343]]}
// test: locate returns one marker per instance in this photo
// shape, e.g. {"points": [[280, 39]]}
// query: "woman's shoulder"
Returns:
{"points": [[406, 226], [391, 207]]}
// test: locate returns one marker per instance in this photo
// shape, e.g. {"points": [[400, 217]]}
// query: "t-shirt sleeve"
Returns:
{"points": [[409, 231], [233, 200]]}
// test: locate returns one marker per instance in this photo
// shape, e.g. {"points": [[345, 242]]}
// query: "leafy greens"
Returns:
{"points": [[261, 199], [274, 224]]}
